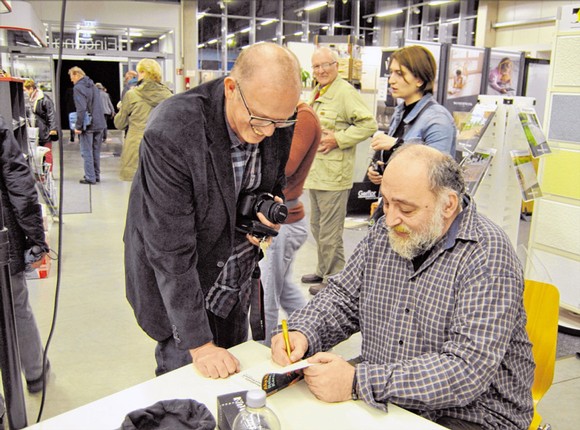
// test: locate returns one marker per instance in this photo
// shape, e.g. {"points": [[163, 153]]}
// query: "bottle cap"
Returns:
{"points": [[256, 398]]}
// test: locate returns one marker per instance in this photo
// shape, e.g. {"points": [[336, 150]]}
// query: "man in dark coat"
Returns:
{"points": [[188, 269], [23, 219], [88, 99]]}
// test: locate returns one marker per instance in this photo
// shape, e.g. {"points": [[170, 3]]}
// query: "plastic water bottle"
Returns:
{"points": [[256, 415]]}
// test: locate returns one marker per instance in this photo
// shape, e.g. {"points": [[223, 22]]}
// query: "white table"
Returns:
{"points": [[296, 406]]}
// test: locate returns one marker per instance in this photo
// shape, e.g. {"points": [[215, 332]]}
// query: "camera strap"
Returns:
{"points": [[257, 319]]}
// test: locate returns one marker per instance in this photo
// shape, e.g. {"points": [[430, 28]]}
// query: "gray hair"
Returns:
{"points": [[444, 173]]}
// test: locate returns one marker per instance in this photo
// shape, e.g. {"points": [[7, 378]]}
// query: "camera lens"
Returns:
{"points": [[275, 212]]}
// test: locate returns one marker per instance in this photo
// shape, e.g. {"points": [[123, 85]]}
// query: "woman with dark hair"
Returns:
{"points": [[419, 118]]}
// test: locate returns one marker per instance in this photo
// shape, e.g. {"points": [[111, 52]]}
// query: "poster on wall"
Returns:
{"points": [[385, 101], [463, 80], [505, 72]]}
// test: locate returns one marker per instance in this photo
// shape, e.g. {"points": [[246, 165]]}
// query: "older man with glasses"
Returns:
{"points": [[190, 265], [346, 121]]}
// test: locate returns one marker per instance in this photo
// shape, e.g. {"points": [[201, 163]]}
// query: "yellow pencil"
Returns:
{"points": [[286, 338]]}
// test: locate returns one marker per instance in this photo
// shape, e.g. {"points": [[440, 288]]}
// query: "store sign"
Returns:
{"points": [[102, 43]]}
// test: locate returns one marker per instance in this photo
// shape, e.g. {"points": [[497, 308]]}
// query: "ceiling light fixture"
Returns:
{"points": [[389, 13], [270, 21], [439, 2], [314, 6]]}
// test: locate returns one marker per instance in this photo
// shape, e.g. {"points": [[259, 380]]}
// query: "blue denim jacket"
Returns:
{"points": [[432, 124]]}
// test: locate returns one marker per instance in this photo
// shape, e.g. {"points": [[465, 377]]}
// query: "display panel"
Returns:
{"points": [[504, 76], [463, 78]]}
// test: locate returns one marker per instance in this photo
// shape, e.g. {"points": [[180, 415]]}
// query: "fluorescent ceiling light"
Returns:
{"points": [[201, 45], [389, 13], [200, 15], [153, 42], [439, 2], [299, 33], [211, 42], [147, 45], [316, 5], [245, 30], [270, 21], [163, 36]]}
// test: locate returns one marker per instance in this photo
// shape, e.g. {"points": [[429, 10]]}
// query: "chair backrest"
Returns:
{"points": [[542, 304]]}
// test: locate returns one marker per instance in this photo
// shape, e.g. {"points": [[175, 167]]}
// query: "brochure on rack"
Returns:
{"points": [[526, 174], [474, 168], [477, 122], [534, 134]]}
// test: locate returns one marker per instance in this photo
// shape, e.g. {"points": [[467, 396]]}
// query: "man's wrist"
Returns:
{"points": [[354, 392]]}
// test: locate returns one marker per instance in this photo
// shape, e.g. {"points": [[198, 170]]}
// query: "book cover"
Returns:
{"points": [[534, 134], [526, 174], [272, 381], [477, 122], [474, 168]]}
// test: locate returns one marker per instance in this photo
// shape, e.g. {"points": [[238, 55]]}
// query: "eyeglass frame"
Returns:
{"points": [[324, 66], [275, 122]]}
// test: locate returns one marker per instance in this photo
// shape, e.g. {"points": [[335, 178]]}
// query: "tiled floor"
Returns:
{"points": [[98, 349]]}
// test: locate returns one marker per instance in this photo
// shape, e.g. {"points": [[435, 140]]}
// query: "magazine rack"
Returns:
{"points": [[499, 195]]}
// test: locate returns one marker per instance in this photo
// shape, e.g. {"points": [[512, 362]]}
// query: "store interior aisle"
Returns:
{"points": [[97, 348]]}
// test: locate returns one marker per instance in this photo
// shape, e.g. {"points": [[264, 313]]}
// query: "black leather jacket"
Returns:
{"points": [[43, 109], [20, 207]]}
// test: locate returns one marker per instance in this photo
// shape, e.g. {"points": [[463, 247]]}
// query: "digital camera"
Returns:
{"points": [[250, 204]]}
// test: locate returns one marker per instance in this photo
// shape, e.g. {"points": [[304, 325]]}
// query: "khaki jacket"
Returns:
{"points": [[341, 109]]}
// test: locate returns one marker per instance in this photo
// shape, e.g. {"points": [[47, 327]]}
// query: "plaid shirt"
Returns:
{"points": [[447, 339], [235, 280]]}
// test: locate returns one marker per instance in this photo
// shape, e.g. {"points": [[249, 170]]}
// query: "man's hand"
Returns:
{"points": [[327, 142], [52, 133], [374, 176], [331, 380], [298, 346], [262, 218], [214, 362], [381, 141], [78, 131]]}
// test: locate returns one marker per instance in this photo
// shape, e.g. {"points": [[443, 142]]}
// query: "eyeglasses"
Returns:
{"points": [[258, 121], [323, 66]]}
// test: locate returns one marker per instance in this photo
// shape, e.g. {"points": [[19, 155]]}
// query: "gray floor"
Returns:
{"points": [[98, 349]]}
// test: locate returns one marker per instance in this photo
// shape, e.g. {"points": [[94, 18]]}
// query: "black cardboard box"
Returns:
{"points": [[228, 406]]}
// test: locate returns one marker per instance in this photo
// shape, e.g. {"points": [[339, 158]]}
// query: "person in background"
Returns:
{"points": [[345, 121], [23, 219], [88, 99], [130, 80], [69, 106], [412, 72], [44, 117], [436, 290], [108, 108], [276, 267], [135, 109], [189, 265]]}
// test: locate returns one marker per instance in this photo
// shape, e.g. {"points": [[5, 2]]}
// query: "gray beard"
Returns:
{"points": [[418, 242]]}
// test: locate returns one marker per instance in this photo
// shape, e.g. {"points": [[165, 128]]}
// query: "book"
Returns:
{"points": [[526, 174], [475, 126], [534, 134], [475, 167], [272, 381]]}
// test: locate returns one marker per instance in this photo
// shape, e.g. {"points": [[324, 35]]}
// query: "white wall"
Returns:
{"points": [[533, 38]]}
